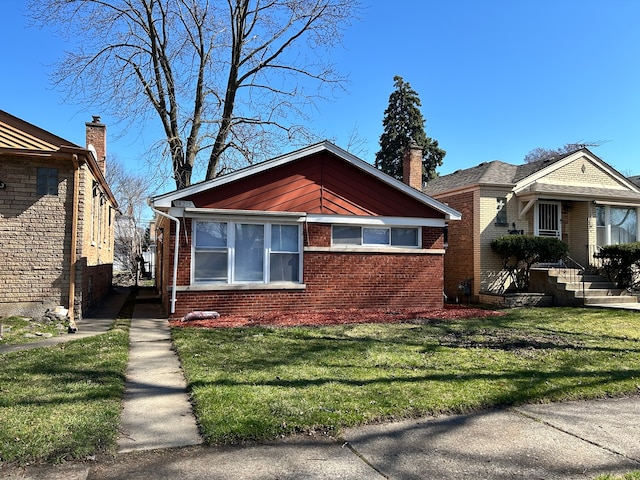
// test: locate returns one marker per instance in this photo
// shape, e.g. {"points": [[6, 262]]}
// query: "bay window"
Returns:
{"points": [[236, 252], [616, 224]]}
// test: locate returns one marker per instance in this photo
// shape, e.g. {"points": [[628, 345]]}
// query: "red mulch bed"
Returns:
{"points": [[339, 317]]}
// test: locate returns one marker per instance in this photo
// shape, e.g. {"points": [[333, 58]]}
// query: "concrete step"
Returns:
{"points": [[574, 286], [586, 278], [608, 300], [599, 292]]}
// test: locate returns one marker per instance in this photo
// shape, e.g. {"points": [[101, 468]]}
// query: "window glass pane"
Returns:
{"points": [[346, 235], [211, 234], [501, 210], [623, 225], [52, 187], [406, 237], [47, 181], [210, 266], [249, 252], [284, 267], [284, 238], [601, 236], [600, 216], [375, 236]]}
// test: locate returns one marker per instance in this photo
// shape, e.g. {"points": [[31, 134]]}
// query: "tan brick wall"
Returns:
{"points": [[492, 277], [98, 223], [581, 172], [581, 231], [34, 233]]}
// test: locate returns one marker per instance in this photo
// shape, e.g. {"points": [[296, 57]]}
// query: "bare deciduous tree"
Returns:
{"points": [[131, 191], [540, 153], [225, 77]]}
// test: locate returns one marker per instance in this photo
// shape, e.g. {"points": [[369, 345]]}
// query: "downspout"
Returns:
{"points": [[74, 242], [175, 255]]}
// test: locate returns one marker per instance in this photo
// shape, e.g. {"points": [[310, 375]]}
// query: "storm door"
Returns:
{"points": [[547, 220]]}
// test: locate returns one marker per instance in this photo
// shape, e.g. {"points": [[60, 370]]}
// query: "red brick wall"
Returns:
{"points": [[459, 260], [333, 280]]}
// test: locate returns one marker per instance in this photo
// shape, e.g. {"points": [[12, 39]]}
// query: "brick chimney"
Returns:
{"points": [[412, 166], [97, 138]]}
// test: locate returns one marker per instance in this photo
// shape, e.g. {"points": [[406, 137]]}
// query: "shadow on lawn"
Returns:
{"points": [[553, 366]]}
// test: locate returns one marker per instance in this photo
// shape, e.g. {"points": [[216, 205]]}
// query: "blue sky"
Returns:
{"points": [[497, 78]]}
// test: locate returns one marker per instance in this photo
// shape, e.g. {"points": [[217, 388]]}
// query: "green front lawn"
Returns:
{"points": [[260, 383], [63, 402], [17, 330]]}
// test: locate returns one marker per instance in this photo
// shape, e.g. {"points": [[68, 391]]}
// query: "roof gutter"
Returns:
{"points": [[175, 254]]}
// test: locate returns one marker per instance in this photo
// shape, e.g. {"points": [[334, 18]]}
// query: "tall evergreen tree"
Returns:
{"points": [[402, 123]]}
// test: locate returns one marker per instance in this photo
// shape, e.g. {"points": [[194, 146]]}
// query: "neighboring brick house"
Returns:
{"points": [[311, 230], [576, 197], [56, 220]]}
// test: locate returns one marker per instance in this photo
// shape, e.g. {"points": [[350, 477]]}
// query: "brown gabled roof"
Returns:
{"points": [[488, 173], [17, 134], [494, 172]]}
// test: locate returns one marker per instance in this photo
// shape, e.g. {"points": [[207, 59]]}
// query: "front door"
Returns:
{"points": [[547, 220]]}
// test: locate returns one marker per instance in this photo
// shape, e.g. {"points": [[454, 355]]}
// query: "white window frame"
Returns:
{"points": [[231, 253], [608, 234], [388, 245]]}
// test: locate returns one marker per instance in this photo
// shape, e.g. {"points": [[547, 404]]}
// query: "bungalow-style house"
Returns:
{"points": [[312, 230], [56, 220], [576, 197]]}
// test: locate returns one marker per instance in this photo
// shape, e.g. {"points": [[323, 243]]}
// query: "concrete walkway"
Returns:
{"points": [[156, 409]]}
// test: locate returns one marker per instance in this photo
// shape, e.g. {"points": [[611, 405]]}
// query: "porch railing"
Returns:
{"points": [[595, 263], [573, 271]]}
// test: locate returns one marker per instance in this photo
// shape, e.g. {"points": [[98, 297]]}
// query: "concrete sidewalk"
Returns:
{"points": [[156, 409], [573, 440]]}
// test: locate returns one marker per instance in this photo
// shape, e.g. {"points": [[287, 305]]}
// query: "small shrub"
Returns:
{"points": [[619, 262], [520, 252]]}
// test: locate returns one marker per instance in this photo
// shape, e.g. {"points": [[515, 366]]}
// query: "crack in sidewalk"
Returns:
{"points": [[574, 435], [353, 450]]}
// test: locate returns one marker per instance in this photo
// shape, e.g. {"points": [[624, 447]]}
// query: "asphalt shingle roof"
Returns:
{"points": [[487, 173]]}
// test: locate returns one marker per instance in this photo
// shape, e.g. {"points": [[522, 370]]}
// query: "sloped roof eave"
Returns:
{"points": [[566, 192]]}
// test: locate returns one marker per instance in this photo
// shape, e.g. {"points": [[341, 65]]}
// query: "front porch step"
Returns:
{"points": [[609, 300], [598, 292], [578, 286], [571, 288]]}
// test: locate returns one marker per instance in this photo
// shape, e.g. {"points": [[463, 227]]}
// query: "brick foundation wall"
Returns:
{"points": [[347, 279]]}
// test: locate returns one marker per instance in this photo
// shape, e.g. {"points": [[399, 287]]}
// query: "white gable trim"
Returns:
{"points": [[527, 181], [376, 221], [166, 200]]}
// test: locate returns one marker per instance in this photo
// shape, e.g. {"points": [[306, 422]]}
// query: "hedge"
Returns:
{"points": [[520, 252], [619, 262]]}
